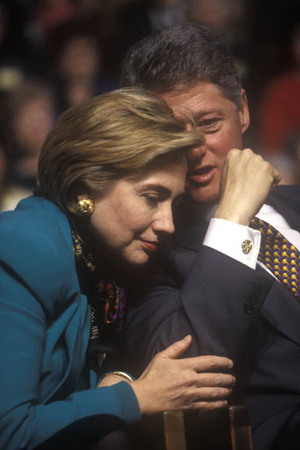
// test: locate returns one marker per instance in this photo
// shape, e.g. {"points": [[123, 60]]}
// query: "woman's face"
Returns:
{"points": [[133, 216]]}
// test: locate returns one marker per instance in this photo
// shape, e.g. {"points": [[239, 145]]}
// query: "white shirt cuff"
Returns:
{"points": [[234, 240]]}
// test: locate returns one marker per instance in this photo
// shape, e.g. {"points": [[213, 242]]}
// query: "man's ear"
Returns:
{"points": [[244, 111]]}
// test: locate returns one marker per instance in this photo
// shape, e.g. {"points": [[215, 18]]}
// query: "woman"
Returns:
{"points": [[108, 174]]}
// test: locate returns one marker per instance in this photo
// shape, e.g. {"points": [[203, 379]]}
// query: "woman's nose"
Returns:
{"points": [[164, 221]]}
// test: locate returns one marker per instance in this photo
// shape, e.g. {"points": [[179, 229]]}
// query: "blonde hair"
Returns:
{"points": [[106, 138]]}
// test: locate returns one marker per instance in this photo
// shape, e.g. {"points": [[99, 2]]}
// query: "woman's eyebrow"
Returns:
{"points": [[162, 190], [157, 187]]}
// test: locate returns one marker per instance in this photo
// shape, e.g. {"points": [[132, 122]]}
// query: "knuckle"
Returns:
{"points": [[204, 405], [214, 405], [205, 379], [184, 364], [215, 393], [266, 165], [158, 356], [212, 362], [218, 379], [233, 152]]}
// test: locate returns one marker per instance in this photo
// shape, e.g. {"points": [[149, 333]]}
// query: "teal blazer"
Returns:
{"points": [[47, 394]]}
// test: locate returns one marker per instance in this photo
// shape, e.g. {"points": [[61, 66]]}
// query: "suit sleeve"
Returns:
{"points": [[208, 295], [27, 287]]}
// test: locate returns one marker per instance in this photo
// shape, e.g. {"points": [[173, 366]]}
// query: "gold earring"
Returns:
{"points": [[85, 206]]}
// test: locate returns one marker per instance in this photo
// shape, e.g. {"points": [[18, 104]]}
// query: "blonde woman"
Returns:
{"points": [[109, 172]]}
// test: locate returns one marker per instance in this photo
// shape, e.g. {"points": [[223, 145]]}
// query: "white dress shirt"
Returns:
{"points": [[227, 237]]}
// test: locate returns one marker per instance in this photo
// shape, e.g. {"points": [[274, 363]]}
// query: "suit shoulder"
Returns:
{"points": [[36, 245], [288, 192]]}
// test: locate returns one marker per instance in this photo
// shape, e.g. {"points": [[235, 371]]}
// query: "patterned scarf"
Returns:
{"points": [[107, 303]]}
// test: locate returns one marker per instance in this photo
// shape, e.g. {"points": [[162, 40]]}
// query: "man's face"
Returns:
{"points": [[222, 125]]}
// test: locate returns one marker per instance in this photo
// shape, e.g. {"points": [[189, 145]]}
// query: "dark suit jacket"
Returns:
{"points": [[48, 397], [230, 310]]}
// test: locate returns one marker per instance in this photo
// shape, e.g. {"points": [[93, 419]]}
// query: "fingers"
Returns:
{"points": [[215, 379], [209, 363], [178, 348], [202, 398], [169, 383], [213, 394], [252, 161], [201, 405]]}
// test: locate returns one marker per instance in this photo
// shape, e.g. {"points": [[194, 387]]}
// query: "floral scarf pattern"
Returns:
{"points": [[107, 302]]}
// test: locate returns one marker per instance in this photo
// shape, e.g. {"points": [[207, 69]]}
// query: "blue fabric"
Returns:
{"points": [[44, 331]]}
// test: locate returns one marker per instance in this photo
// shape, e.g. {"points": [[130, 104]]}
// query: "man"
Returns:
{"points": [[210, 283]]}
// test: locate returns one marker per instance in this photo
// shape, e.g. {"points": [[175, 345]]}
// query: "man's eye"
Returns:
{"points": [[208, 123]]}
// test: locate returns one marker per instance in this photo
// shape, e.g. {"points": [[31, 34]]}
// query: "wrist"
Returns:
{"points": [[115, 376], [122, 374], [232, 216]]}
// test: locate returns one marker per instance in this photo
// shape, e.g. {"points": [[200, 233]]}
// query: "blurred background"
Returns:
{"points": [[56, 53]]}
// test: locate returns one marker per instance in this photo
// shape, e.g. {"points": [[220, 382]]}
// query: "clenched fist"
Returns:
{"points": [[246, 182]]}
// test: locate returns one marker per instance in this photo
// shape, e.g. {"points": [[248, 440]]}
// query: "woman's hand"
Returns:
{"points": [[170, 384], [178, 384]]}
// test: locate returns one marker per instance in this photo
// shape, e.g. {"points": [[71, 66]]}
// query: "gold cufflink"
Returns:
{"points": [[247, 246]]}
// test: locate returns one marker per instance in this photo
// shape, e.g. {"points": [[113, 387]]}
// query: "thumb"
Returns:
{"points": [[178, 348]]}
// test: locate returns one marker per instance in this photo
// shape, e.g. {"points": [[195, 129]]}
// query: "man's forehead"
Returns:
{"points": [[187, 93], [199, 99]]}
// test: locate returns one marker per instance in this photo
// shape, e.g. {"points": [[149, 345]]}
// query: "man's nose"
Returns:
{"points": [[196, 153], [164, 220]]}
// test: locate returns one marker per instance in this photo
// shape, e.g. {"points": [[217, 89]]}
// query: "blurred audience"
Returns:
{"points": [[3, 173], [75, 47], [288, 161], [13, 51], [279, 115], [138, 18], [223, 16], [228, 18], [28, 114], [51, 13]]}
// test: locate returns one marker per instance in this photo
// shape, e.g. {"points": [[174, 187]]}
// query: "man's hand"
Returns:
{"points": [[246, 182]]}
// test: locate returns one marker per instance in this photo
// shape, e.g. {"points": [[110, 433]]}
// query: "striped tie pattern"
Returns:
{"points": [[279, 255]]}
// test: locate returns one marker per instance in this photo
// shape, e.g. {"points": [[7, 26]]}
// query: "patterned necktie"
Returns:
{"points": [[279, 255]]}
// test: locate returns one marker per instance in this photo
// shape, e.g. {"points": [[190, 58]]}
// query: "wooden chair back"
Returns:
{"points": [[220, 429]]}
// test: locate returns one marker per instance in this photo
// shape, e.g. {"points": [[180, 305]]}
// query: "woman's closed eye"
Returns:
{"points": [[152, 199]]}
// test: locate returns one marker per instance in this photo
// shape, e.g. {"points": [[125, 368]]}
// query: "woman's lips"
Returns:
{"points": [[201, 176], [150, 246]]}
